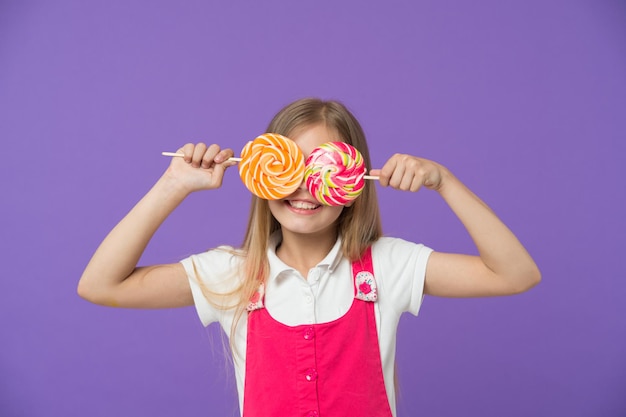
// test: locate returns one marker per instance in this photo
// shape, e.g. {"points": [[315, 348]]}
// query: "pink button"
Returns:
{"points": [[312, 414], [311, 374], [309, 333]]}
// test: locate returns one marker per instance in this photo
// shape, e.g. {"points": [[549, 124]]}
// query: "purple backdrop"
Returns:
{"points": [[524, 101]]}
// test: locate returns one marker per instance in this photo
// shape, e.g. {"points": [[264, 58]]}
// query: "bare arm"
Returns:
{"points": [[112, 277], [503, 266]]}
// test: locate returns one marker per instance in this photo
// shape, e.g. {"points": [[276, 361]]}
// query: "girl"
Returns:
{"points": [[312, 299]]}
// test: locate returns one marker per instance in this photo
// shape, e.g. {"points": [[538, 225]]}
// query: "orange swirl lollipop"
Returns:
{"points": [[272, 166]]}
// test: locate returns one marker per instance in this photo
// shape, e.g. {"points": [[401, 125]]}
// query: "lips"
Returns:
{"points": [[303, 205]]}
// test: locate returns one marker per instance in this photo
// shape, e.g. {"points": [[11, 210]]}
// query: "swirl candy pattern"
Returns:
{"points": [[334, 173], [272, 166]]}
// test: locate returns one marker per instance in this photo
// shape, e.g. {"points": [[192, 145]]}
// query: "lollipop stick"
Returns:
{"points": [[371, 177], [174, 154]]}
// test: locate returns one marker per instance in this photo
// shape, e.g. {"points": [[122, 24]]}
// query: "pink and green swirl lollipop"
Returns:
{"points": [[335, 173]]}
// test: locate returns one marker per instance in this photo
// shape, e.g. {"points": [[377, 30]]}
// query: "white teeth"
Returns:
{"points": [[303, 205]]}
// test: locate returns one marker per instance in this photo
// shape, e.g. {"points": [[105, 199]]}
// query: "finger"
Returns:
{"points": [[375, 172], [407, 180], [416, 184], [222, 163], [198, 154], [223, 156], [387, 171], [187, 150], [396, 177], [208, 159], [378, 173], [218, 174]]}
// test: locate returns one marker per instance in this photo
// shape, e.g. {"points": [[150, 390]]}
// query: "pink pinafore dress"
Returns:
{"points": [[319, 370]]}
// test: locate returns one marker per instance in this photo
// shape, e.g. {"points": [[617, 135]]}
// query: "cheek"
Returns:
{"points": [[335, 211], [274, 205]]}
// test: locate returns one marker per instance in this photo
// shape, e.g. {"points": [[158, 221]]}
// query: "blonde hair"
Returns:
{"points": [[358, 225]]}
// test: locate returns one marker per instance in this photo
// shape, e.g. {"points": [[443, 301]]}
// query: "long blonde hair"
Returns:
{"points": [[358, 225]]}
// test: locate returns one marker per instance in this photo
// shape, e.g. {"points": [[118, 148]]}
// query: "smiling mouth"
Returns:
{"points": [[303, 205]]}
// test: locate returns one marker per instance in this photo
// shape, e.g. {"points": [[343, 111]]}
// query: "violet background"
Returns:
{"points": [[525, 101]]}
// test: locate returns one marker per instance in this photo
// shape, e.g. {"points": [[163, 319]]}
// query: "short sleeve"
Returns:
{"points": [[400, 269], [214, 271]]}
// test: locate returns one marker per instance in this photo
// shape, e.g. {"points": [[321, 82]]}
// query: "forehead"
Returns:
{"points": [[310, 137]]}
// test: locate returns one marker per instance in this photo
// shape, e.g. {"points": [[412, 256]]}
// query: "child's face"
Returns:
{"points": [[300, 212]]}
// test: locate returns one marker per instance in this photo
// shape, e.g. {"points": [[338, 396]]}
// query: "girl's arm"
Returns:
{"points": [[503, 266], [112, 277]]}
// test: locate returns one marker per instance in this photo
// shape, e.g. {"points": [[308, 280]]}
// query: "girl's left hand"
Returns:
{"points": [[409, 173]]}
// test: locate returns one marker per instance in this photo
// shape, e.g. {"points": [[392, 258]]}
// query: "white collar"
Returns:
{"points": [[277, 266]]}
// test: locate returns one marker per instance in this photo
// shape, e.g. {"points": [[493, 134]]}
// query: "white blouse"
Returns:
{"points": [[324, 295]]}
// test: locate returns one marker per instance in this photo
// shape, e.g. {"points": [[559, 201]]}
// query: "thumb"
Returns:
{"points": [[211, 177], [218, 172], [379, 173]]}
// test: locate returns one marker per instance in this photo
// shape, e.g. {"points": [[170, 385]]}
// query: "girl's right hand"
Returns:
{"points": [[201, 168], [112, 277]]}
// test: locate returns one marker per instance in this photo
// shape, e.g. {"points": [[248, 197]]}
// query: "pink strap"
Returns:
{"points": [[364, 282]]}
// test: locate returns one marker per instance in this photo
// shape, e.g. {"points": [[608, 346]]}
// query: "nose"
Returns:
{"points": [[302, 186]]}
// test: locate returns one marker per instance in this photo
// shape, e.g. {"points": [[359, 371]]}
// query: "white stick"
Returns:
{"points": [[180, 155]]}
